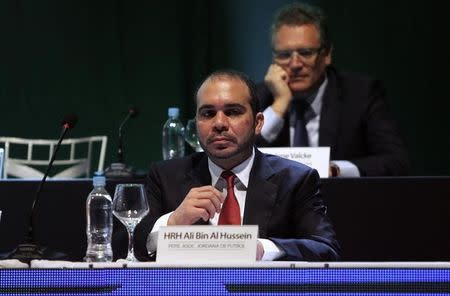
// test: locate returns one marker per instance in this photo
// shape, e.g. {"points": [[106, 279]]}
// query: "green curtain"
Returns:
{"points": [[97, 58]]}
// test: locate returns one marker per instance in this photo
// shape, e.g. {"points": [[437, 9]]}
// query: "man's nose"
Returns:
{"points": [[296, 60], [220, 121]]}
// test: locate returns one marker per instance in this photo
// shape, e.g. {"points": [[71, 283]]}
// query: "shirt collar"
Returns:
{"points": [[242, 171]]}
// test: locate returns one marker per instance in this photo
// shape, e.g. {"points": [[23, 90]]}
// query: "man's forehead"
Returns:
{"points": [[308, 32], [225, 81], [218, 85]]}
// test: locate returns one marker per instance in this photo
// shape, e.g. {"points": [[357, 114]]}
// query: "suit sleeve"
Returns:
{"points": [[277, 128], [144, 227], [314, 238], [387, 155]]}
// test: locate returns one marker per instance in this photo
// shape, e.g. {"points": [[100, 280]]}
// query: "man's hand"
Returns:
{"points": [[277, 80], [259, 250], [333, 170], [200, 203]]}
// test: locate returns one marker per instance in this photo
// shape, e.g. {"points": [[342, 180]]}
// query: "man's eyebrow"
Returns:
{"points": [[205, 107], [227, 106], [234, 106]]}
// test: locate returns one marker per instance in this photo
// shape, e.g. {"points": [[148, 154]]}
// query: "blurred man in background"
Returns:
{"points": [[307, 102]]}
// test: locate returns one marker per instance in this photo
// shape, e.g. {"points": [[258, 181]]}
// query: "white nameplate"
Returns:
{"points": [[207, 244], [315, 157]]}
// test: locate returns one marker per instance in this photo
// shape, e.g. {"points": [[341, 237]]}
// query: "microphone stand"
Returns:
{"points": [[119, 169], [120, 139], [29, 249]]}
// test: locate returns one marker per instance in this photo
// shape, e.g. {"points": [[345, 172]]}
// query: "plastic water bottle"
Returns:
{"points": [[99, 223], [173, 135]]}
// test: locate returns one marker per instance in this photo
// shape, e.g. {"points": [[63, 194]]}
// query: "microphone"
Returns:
{"points": [[69, 121], [119, 169], [132, 113], [29, 250]]}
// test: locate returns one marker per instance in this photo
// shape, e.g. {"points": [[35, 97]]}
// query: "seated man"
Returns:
{"points": [[307, 102], [279, 195]]}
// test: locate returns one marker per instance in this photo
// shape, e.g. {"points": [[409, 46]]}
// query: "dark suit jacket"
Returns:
{"points": [[354, 122], [283, 198]]}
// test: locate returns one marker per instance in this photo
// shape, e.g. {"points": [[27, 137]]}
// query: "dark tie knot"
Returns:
{"points": [[303, 110], [228, 176]]}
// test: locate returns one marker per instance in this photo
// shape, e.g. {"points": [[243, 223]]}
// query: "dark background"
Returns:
{"points": [[96, 58]]}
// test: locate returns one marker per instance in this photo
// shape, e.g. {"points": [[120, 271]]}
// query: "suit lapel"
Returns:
{"points": [[198, 175], [261, 194], [331, 109]]}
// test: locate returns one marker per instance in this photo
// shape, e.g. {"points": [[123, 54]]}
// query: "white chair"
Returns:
{"points": [[2, 154], [28, 158]]}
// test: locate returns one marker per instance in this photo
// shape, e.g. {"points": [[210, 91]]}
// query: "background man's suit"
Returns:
{"points": [[355, 123], [283, 198]]}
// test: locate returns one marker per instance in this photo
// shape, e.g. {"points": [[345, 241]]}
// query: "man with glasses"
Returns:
{"points": [[307, 102]]}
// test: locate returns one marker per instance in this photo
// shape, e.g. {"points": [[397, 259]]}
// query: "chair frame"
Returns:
{"points": [[2, 156], [21, 167]]}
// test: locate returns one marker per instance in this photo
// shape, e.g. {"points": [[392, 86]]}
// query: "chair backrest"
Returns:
{"points": [[2, 155], [28, 158]]}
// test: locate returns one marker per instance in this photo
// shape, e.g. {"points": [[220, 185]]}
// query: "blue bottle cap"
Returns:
{"points": [[174, 112], [98, 181]]}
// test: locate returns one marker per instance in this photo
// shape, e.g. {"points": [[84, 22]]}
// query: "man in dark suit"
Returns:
{"points": [[307, 102], [279, 195]]}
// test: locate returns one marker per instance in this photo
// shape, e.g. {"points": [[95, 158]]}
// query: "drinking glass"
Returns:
{"points": [[130, 206], [190, 135]]}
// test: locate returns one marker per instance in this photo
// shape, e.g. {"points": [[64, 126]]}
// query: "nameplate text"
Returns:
{"points": [[207, 244], [316, 157]]}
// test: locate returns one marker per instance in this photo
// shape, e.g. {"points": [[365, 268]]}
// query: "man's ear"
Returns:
{"points": [[329, 56], [259, 122]]}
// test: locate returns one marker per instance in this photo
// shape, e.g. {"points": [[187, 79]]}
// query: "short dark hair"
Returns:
{"points": [[233, 74], [298, 14]]}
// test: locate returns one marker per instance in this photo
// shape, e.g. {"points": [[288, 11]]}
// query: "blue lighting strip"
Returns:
{"points": [[225, 281]]}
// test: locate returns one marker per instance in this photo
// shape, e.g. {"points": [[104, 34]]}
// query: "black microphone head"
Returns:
{"points": [[133, 112], [70, 120]]}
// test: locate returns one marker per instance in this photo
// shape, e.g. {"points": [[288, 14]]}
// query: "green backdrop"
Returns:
{"points": [[97, 58]]}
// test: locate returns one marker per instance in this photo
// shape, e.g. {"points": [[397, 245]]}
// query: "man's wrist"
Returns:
{"points": [[280, 106], [334, 170], [171, 219]]}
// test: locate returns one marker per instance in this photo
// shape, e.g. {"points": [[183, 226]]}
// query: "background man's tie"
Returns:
{"points": [[230, 213], [304, 114]]}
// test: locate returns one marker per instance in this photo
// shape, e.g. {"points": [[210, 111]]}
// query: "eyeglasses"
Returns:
{"points": [[305, 54]]}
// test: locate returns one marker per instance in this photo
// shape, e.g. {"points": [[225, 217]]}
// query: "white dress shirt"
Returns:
{"points": [[242, 172]]}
